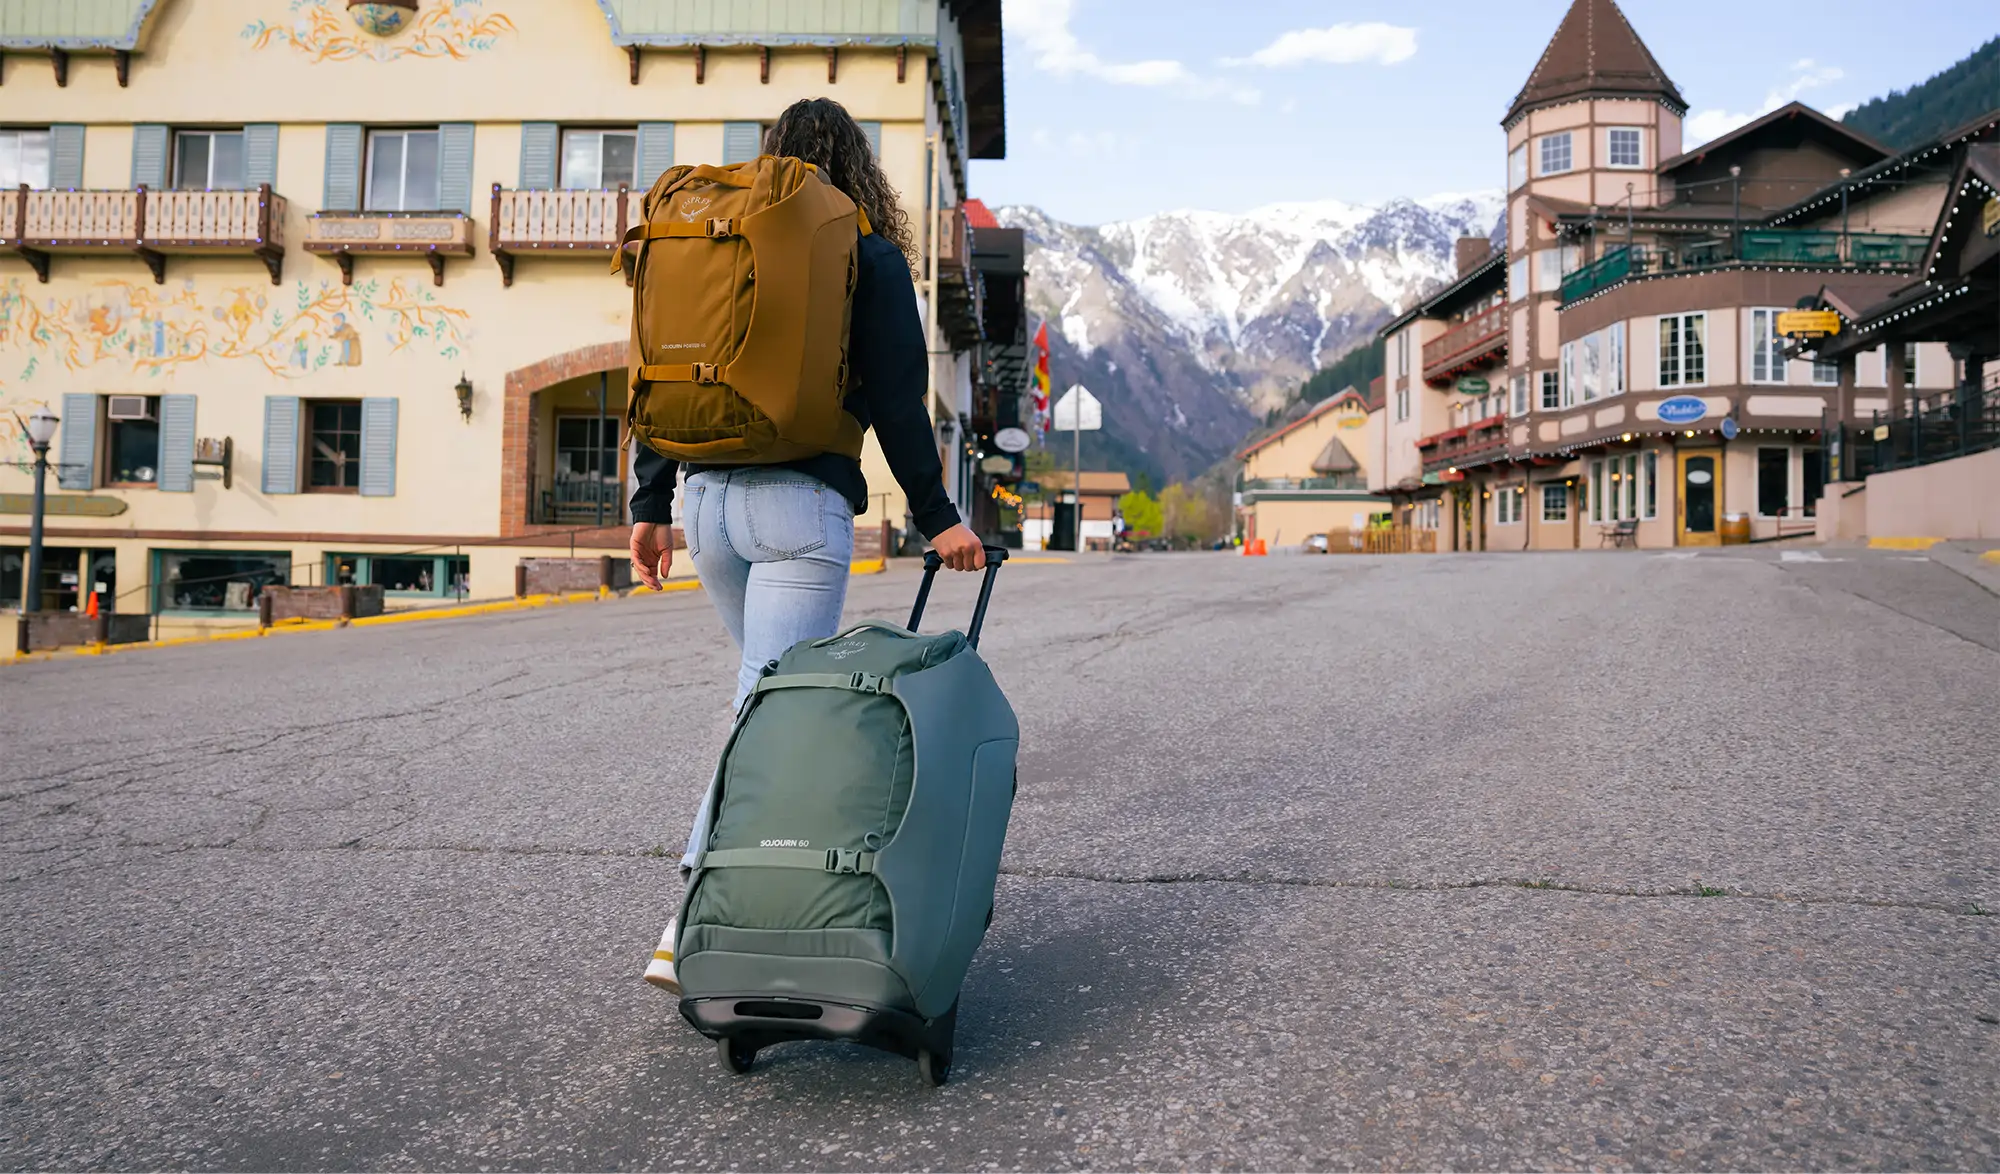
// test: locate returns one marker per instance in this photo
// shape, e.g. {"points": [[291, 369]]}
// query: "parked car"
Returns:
{"points": [[1315, 544]]}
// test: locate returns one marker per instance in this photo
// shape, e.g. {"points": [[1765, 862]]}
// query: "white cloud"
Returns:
{"points": [[1807, 74], [1340, 44], [1045, 26]]}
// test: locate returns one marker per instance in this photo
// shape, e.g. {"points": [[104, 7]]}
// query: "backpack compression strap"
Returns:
{"points": [[858, 682], [835, 860]]}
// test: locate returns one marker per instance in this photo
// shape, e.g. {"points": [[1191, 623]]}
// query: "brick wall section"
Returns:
{"points": [[517, 441]]}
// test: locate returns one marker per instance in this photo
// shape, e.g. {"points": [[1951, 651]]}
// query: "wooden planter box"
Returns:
{"points": [[43, 630], [278, 604], [564, 576]]}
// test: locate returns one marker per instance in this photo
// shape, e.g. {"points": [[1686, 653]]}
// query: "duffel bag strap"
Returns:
{"points": [[836, 860], [858, 682]]}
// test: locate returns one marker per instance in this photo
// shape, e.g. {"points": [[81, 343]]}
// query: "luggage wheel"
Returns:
{"points": [[934, 1060], [736, 1056]]}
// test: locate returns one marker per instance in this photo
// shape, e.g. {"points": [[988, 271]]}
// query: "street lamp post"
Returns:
{"points": [[41, 429]]}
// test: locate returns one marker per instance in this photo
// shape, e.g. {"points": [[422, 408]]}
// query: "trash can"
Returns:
{"points": [[1735, 529]]}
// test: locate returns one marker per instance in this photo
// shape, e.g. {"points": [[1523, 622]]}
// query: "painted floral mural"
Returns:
{"points": [[324, 31], [154, 331]]}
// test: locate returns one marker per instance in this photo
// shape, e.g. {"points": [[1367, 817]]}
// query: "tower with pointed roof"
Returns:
{"points": [[1588, 128]]}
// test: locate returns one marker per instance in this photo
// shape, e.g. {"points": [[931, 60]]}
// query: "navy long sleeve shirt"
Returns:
{"points": [[889, 377]]}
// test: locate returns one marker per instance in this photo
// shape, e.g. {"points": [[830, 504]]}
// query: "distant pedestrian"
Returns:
{"points": [[772, 543]]}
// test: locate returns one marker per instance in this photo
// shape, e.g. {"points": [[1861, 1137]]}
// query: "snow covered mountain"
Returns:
{"points": [[1189, 325]]}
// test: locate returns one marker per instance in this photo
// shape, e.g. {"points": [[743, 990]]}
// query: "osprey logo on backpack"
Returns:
{"points": [[845, 649]]}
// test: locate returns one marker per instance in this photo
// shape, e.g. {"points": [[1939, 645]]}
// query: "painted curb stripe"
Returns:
{"points": [[1903, 543]]}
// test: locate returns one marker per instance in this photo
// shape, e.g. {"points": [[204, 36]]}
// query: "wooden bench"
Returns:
{"points": [[1625, 533]]}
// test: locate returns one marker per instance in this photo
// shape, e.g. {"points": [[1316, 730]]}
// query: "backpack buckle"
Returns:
{"points": [[843, 860], [868, 683], [704, 372], [720, 226]]}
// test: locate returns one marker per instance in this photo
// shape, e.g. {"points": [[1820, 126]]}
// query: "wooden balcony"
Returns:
{"points": [[566, 223], [1476, 342], [147, 224], [1478, 443], [430, 235], [954, 247]]}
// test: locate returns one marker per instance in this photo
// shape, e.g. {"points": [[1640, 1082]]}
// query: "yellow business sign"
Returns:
{"points": [[1989, 217], [1808, 323]]}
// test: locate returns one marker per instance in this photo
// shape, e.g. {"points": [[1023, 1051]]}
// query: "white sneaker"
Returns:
{"points": [[660, 971]]}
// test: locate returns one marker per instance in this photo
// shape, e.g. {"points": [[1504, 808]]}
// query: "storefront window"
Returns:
{"points": [[216, 580], [1774, 474], [402, 574]]}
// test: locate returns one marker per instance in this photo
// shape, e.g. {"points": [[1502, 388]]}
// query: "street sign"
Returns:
{"points": [[1682, 409], [1881, 432], [1012, 440], [1808, 323], [63, 505], [1067, 409], [1474, 385], [1729, 428], [1027, 487]]}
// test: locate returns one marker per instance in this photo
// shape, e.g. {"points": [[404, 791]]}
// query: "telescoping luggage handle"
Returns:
{"points": [[995, 555]]}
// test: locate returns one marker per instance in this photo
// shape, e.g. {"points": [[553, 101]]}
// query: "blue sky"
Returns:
{"points": [[1119, 108]]}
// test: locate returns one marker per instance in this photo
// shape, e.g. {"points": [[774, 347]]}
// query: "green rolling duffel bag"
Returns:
{"points": [[859, 812]]}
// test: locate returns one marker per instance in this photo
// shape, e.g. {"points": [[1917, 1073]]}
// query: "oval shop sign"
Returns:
{"points": [[1682, 409]]}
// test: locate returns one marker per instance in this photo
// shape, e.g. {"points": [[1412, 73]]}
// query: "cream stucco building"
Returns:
{"points": [[1311, 476], [321, 291]]}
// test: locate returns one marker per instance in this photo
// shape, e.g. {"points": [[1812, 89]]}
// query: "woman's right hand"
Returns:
{"points": [[960, 549], [652, 552]]}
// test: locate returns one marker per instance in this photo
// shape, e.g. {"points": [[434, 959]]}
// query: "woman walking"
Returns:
{"points": [[772, 543]]}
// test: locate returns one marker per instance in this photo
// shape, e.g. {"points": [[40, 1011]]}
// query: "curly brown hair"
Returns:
{"points": [[822, 132]]}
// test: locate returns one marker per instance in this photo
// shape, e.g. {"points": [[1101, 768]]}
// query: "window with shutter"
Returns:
{"points": [[538, 156], [260, 154], [455, 167], [149, 156], [343, 168], [741, 142], [65, 156], [281, 444], [78, 452], [874, 132], [176, 444], [656, 152], [378, 447]]}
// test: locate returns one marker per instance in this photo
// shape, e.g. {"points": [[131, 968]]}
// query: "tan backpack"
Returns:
{"points": [[742, 291]]}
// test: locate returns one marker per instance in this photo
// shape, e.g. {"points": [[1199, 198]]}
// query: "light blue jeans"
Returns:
{"points": [[772, 548]]}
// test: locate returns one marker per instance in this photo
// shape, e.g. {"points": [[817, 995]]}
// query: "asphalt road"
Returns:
{"points": [[1609, 860]]}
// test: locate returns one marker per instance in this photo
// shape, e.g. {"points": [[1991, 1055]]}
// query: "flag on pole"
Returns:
{"points": [[1042, 377]]}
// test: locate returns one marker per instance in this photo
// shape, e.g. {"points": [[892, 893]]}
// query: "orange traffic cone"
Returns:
{"points": [[90, 608], [1256, 547]]}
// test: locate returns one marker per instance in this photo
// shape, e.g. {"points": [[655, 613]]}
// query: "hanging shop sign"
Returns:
{"points": [[997, 465], [1808, 323], [1682, 409], [1474, 385], [1011, 440], [1729, 428]]}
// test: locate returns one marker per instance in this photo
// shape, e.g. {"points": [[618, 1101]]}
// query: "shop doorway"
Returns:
{"points": [[1699, 497]]}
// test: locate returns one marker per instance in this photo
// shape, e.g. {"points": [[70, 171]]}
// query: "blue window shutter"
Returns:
{"points": [[260, 154], [149, 156], [378, 446], [874, 132], [65, 156], [656, 151], [281, 443], [343, 168], [741, 142], [538, 156], [455, 167], [78, 453], [176, 444]]}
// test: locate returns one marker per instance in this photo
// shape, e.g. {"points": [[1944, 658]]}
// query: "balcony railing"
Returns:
{"points": [[147, 224], [1948, 424], [1469, 444], [1480, 337], [430, 235], [1344, 484], [954, 247], [585, 223], [1860, 251]]}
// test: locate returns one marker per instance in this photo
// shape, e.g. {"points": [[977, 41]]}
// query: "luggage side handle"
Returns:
{"points": [[995, 555]]}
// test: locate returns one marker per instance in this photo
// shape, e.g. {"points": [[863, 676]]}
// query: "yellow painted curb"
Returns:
{"points": [[1903, 543], [867, 566], [400, 617], [1991, 556]]}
